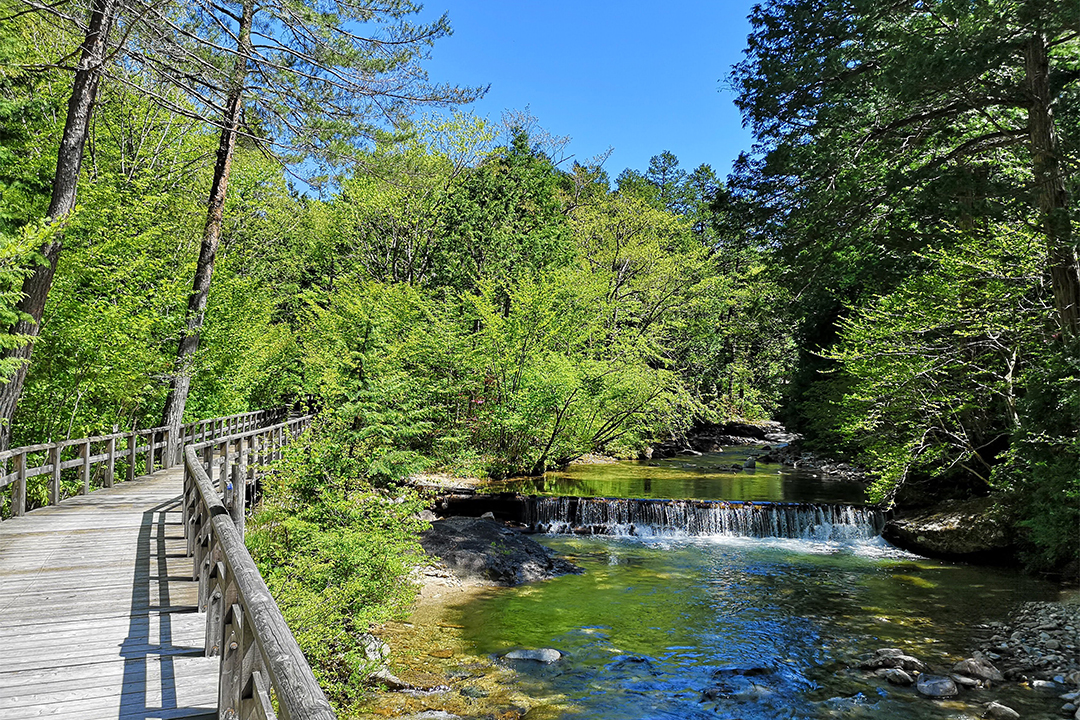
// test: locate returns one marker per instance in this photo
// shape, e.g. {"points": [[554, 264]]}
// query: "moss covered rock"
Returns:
{"points": [[958, 529]]}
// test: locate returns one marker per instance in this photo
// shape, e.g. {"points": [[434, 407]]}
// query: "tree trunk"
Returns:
{"points": [[36, 286], [173, 414], [1052, 198]]}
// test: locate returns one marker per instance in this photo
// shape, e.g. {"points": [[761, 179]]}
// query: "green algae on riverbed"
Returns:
{"points": [[648, 625]]}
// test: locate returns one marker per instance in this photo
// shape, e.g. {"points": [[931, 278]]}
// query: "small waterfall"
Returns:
{"points": [[676, 518]]}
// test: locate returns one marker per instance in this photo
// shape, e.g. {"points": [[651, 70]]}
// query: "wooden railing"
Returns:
{"points": [[140, 451], [263, 673]]}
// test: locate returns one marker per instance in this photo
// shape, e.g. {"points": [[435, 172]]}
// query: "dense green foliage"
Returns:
{"points": [[499, 318], [902, 177]]}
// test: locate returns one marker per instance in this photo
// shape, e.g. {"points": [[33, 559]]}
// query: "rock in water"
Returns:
{"points": [[893, 658], [997, 711], [896, 676], [750, 463], [485, 550], [385, 678], [965, 681], [936, 686], [544, 655], [978, 667]]}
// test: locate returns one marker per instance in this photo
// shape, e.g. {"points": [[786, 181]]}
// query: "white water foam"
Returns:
{"points": [[820, 523]]}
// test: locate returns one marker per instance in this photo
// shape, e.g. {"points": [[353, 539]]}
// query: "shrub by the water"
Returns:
{"points": [[336, 552]]}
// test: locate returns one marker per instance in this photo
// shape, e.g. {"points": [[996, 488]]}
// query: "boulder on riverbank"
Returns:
{"points": [[969, 530], [484, 550]]}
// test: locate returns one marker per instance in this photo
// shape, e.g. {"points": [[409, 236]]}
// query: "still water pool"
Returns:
{"points": [[712, 476]]}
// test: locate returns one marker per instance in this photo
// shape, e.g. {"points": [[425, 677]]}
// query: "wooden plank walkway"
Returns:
{"points": [[98, 612]]}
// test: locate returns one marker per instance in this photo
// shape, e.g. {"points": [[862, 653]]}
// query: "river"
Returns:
{"points": [[665, 624]]}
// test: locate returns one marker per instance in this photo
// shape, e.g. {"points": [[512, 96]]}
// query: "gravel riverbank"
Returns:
{"points": [[1039, 641]]}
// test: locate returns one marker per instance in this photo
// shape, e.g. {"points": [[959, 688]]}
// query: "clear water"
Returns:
{"points": [[706, 477], [652, 623], [774, 627]]}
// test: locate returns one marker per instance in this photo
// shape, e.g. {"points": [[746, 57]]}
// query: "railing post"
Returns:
{"points": [[18, 495], [223, 449], [54, 484], [255, 456], [152, 438], [84, 453], [242, 458], [110, 465], [133, 449], [238, 507], [231, 668], [166, 448]]}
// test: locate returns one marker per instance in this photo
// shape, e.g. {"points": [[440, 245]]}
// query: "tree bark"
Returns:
{"points": [[1051, 195], [173, 413], [36, 286]]}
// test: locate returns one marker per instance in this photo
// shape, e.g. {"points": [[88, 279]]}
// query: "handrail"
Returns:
{"points": [[260, 658], [153, 443]]}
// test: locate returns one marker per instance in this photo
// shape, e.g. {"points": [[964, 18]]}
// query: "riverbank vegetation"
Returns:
{"points": [[914, 175], [891, 270]]}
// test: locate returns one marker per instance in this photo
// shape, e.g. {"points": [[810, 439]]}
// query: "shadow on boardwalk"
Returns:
{"points": [[98, 610], [152, 579]]}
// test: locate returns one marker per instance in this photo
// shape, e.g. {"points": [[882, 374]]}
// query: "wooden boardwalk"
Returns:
{"points": [[98, 612]]}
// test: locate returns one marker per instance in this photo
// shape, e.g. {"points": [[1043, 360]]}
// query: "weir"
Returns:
{"points": [[673, 518], [618, 516]]}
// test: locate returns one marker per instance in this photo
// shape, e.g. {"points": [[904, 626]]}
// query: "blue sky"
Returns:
{"points": [[639, 77]]}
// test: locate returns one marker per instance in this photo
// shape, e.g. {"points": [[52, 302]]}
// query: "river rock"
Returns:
{"points": [[958, 529], [997, 711], [384, 677], [747, 684], [893, 658], [474, 693], [936, 686], [544, 655], [750, 463], [484, 550], [978, 667], [965, 681], [375, 650], [896, 676]]}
